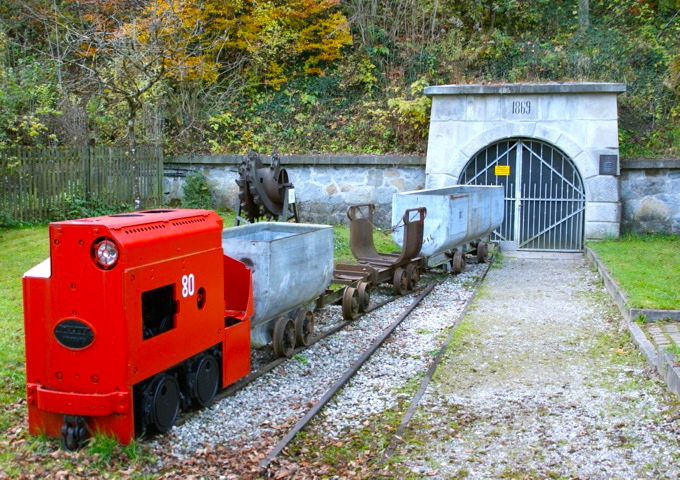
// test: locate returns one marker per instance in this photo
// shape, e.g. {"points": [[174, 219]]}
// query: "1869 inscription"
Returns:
{"points": [[521, 108]]}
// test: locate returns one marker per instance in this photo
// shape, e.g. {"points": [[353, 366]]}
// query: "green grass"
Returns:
{"points": [[20, 249], [647, 267], [343, 254], [674, 351]]}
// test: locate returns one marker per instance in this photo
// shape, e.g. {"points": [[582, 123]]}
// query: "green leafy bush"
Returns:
{"points": [[197, 192]]}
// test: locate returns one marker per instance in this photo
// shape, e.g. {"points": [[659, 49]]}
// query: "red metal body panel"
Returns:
{"points": [[178, 251], [239, 307]]}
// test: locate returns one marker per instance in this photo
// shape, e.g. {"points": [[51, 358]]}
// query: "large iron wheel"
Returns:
{"points": [[304, 326], [412, 275], [363, 289], [350, 303], [283, 337], [400, 281], [482, 252], [205, 378], [162, 403], [458, 262]]}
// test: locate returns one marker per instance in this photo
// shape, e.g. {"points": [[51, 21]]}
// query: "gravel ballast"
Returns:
{"points": [[265, 410], [540, 381]]}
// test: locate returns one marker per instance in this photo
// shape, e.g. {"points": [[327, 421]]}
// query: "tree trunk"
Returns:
{"points": [[583, 15], [133, 108]]}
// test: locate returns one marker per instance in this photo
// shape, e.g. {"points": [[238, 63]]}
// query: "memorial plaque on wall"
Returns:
{"points": [[609, 164]]}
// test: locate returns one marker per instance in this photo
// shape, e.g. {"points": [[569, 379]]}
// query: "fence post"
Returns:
{"points": [[87, 167]]}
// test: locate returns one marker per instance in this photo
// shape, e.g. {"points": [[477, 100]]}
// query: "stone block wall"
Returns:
{"points": [[325, 185], [650, 196]]}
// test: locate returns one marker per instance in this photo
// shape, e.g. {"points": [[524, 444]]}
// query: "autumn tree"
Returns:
{"points": [[264, 38], [123, 49]]}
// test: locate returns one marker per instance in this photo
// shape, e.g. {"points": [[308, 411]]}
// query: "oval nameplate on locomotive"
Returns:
{"points": [[74, 334]]}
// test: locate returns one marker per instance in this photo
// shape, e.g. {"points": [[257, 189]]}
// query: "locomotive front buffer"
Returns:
{"points": [[133, 318]]}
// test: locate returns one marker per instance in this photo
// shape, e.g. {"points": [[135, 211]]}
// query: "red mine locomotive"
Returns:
{"points": [[132, 318], [137, 316]]}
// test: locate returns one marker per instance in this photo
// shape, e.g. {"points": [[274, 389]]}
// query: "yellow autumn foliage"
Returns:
{"points": [[261, 38]]}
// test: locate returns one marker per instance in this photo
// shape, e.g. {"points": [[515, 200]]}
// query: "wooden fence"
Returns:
{"points": [[37, 184]]}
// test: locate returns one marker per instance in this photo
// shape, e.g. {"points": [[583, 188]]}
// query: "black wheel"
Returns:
{"points": [[161, 405], [350, 303], [304, 326], [482, 252], [364, 296], [204, 380], [412, 275], [283, 337], [458, 262], [400, 281]]}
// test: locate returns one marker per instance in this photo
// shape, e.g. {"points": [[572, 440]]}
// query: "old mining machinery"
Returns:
{"points": [[265, 193]]}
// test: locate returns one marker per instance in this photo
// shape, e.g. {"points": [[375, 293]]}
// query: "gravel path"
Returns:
{"points": [[542, 381]]}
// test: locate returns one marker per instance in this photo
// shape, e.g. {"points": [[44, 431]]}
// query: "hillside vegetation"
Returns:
{"points": [[306, 76]]}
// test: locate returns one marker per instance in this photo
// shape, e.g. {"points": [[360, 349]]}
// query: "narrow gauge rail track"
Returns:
{"points": [[397, 436], [269, 366], [256, 416], [278, 448]]}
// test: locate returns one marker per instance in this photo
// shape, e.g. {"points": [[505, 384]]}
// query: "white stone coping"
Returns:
{"points": [[656, 357], [306, 160], [526, 88], [650, 164]]}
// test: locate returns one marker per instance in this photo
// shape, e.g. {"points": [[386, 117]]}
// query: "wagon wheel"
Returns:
{"points": [[304, 326], [482, 252], [400, 281], [205, 378], [162, 403], [283, 337], [364, 296], [412, 275], [458, 262], [350, 303]]}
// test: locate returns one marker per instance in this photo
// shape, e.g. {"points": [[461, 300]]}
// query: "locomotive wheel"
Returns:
{"points": [[304, 326], [412, 275], [482, 252], [364, 296], [162, 403], [205, 380], [350, 303], [458, 262], [400, 281], [283, 337]]}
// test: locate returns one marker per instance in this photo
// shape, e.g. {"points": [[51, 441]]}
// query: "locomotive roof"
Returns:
{"points": [[132, 219]]}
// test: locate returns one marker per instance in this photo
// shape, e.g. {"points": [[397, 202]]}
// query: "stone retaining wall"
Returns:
{"points": [[650, 196], [326, 184]]}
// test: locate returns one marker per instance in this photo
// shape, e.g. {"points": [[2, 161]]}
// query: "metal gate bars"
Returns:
{"points": [[544, 194]]}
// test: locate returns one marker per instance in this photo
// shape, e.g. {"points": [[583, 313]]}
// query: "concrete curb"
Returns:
{"points": [[669, 371], [657, 358]]}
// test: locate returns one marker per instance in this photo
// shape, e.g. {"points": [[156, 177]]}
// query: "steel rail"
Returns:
{"points": [[232, 389], [349, 373], [399, 433], [250, 378]]}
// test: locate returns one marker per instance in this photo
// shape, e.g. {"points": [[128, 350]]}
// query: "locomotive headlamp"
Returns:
{"points": [[105, 253]]}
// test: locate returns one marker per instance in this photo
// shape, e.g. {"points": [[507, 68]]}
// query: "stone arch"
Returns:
{"points": [[579, 119], [544, 193], [455, 164]]}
